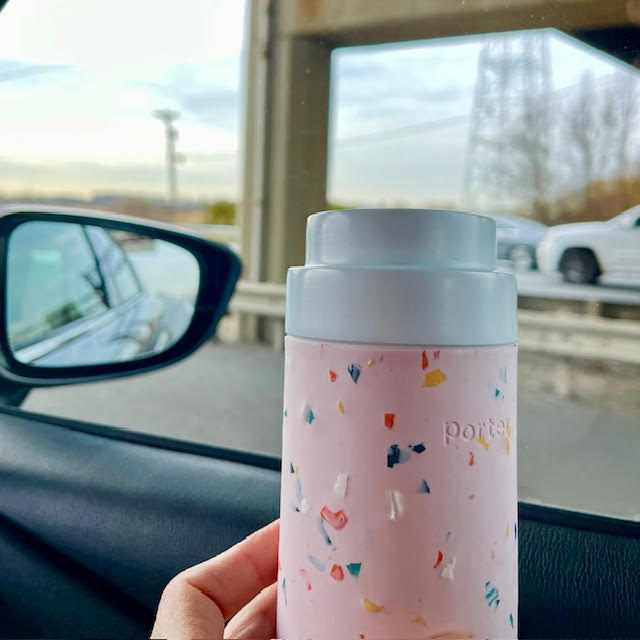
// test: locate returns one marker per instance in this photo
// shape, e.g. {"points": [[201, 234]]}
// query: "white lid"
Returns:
{"points": [[401, 276]]}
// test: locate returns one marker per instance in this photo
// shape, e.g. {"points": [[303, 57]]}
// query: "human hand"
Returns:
{"points": [[239, 584]]}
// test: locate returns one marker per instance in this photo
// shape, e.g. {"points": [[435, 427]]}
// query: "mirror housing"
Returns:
{"points": [[219, 271]]}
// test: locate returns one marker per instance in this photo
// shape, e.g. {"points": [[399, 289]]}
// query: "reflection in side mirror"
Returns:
{"points": [[82, 295]]}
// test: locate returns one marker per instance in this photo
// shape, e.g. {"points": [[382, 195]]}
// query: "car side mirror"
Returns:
{"points": [[91, 295]]}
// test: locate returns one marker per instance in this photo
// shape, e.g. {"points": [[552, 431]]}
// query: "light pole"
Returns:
{"points": [[167, 117]]}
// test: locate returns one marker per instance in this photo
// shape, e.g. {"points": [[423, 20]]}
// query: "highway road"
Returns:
{"points": [[570, 454]]}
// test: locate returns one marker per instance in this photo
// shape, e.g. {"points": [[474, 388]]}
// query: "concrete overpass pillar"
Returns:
{"points": [[285, 145]]}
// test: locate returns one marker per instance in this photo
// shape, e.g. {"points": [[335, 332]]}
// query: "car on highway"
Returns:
{"points": [[517, 239], [74, 296], [584, 252]]}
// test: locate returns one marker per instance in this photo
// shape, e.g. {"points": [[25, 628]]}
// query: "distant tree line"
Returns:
{"points": [[595, 165]]}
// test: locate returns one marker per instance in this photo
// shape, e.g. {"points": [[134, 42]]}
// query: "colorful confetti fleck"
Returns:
{"points": [[323, 532], [341, 407], [307, 414], [316, 563], [337, 573], [483, 443], [472, 459], [285, 413], [305, 579], [337, 519], [333, 376], [497, 393], [370, 362], [396, 455], [419, 620], [423, 488], [508, 440], [284, 589], [425, 360], [434, 378], [371, 607], [447, 572], [511, 620], [436, 354], [396, 505], [340, 487], [503, 374], [291, 469], [297, 469], [389, 419], [354, 568], [439, 560], [472, 496], [492, 595], [506, 533], [354, 371]]}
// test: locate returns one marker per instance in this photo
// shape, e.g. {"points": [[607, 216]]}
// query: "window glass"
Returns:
{"points": [[539, 131], [537, 128], [126, 282], [122, 281], [52, 281]]}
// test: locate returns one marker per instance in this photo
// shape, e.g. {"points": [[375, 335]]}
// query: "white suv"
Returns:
{"points": [[584, 251]]}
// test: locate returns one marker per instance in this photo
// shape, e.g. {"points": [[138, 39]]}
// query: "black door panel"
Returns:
{"points": [[45, 594], [94, 522]]}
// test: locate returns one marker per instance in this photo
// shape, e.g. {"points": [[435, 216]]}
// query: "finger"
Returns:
{"points": [[257, 619], [236, 576], [185, 613], [196, 603]]}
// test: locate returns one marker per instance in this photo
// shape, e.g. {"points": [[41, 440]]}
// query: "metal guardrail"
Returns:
{"points": [[578, 336], [260, 298], [557, 334]]}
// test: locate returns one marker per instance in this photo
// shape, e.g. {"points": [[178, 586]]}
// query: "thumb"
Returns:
{"points": [[257, 619]]}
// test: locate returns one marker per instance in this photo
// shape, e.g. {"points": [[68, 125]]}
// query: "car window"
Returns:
{"points": [[124, 284], [532, 118], [100, 240], [53, 281]]}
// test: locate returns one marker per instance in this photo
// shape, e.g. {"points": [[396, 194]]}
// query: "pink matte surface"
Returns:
{"points": [[398, 556]]}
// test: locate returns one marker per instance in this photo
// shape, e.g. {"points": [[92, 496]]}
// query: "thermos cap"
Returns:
{"points": [[401, 276]]}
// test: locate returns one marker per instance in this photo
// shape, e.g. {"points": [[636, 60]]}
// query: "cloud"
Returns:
{"points": [[419, 170], [375, 91], [396, 112], [209, 95], [12, 70]]}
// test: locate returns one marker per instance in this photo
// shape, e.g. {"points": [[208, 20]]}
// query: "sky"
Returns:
{"points": [[80, 81]]}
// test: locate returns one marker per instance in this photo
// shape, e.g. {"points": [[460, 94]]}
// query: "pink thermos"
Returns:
{"points": [[399, 489]]}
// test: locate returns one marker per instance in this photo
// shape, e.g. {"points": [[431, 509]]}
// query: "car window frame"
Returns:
{"points": [[110, 270]]}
